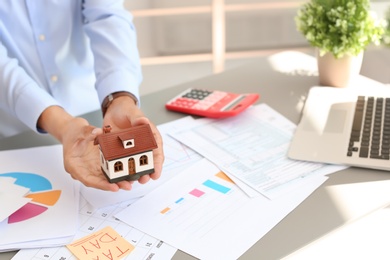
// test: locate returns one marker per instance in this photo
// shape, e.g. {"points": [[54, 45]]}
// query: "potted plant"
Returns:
{"points": [[340, 30], [386, 34]]}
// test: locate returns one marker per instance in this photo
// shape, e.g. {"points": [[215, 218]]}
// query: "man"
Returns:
{"points": [[59, 59]]}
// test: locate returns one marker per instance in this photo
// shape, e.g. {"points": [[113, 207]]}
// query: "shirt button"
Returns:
{"points": [[42, 37], [54, 78]]}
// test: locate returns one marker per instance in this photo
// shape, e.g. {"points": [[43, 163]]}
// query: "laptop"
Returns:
{"points": [[347, 126]]}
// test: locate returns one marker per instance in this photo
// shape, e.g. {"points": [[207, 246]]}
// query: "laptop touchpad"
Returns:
{"points": [[336, 121]]}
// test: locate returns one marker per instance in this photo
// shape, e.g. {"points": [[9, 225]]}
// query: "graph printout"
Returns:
{"points": [[252, 147], [92, 220], [203, 213], [50, 218]]}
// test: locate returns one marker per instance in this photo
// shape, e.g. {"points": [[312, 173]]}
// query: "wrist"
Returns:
{"points": [[110, 99], [54, 120]]}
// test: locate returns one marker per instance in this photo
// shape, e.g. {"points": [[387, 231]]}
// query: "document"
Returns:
{"points": [[55, 213], [92, 220], [50, 217], [203, 213], [252, 147], [104, 243]]}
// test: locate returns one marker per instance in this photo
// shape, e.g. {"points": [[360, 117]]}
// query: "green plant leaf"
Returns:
{"points": [[341, 27]]}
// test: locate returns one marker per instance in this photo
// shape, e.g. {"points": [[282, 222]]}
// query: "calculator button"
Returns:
{"points": [[207, 102], [216, 96], [213, 98], [200, 106], [184, 102], [179, 101], [191, 95], [192, 102], [197, 94], [204, 104], [219, 93]]}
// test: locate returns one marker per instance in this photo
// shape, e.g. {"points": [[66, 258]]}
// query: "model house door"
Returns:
{"points": [[131, 166]]}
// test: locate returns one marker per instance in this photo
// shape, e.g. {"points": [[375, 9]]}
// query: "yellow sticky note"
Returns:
{"points": [[103, 244]]}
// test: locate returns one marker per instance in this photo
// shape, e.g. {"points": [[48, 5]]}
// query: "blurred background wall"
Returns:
{"points": [[176, 41]]}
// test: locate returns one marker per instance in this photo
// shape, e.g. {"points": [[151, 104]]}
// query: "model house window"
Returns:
{"points": [[143, 160], [128, 143], [118, 166]]}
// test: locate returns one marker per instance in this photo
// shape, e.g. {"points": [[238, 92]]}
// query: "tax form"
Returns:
{"points": [[252, 147]]}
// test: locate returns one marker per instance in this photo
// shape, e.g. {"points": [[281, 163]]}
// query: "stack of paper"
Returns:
{"points": [[98, 208], [92, 220], [252, 149], [203, 213], [207, 214], [225, 184], [44, 197]]}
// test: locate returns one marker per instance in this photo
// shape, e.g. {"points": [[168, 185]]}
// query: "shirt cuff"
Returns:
{"points": [[30, 105], [118, 82]]}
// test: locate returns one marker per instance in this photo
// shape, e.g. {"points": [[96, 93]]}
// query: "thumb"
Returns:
{"points": [[92, 132], [97, 131], [141, 121]]}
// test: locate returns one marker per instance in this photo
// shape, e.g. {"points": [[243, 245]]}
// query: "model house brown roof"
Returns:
{"points": [[111, 144]]}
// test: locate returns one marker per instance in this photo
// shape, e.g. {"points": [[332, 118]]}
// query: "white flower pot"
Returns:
{"points": [[338, 72]]}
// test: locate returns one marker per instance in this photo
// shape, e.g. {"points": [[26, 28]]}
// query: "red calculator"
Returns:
{"points": [[211, 103]]}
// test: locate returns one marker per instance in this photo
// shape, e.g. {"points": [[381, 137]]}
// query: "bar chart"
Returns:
{"points": [[205, 214], [203, 207]]}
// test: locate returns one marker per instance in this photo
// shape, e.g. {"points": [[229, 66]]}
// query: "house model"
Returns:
{"points": [[127, 154]]}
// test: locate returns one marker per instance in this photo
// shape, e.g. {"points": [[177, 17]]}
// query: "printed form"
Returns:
{"points": [[252, 147], [205, 214]]}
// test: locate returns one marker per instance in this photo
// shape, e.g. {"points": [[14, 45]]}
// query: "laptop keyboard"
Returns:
{"points": [[370, 135]]}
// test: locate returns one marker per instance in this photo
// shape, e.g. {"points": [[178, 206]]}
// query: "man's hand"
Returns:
{"points": [[81, 156], [124, 113], [82, 159]]}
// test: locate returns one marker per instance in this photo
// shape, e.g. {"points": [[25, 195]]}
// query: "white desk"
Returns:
{"points": [[331, 207]]}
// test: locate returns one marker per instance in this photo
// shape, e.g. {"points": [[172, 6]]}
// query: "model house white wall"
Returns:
{"points": [[109, 166]]}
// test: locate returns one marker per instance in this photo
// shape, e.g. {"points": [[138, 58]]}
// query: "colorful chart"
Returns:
{"points": [[41, 193], [211, 185]]}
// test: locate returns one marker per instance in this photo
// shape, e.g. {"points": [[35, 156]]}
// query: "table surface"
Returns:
{"points": [[319, 214]]}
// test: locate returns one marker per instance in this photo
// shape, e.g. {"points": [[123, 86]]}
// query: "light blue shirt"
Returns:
{"points": [[70, 53]]}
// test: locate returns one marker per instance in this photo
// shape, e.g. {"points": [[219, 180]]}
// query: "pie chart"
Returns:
{"points": [[41, 194]]}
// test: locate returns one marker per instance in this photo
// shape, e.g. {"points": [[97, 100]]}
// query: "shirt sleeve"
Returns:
{"points": [[114, 45], [20, 95]]}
